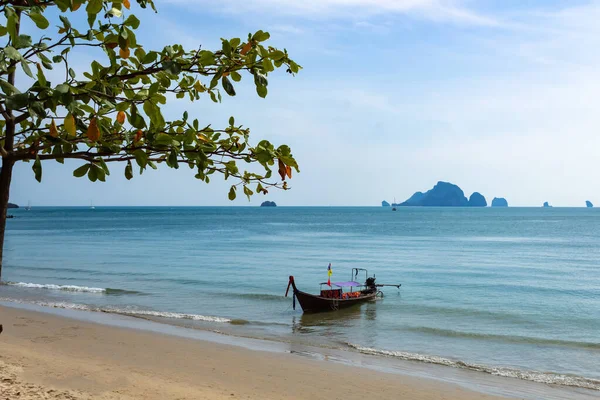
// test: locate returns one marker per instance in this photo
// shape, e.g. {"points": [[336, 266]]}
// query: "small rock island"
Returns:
{"points": [[477, 200], [499, 202], [11, 205], [588, 204], [385, 204], [546, 205], [268, 204]]}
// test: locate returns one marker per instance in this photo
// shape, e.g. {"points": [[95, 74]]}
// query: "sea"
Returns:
{"points": [[507, 292]]}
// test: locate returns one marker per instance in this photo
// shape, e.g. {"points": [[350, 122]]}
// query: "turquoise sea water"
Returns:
{"points": [[512, 292]]}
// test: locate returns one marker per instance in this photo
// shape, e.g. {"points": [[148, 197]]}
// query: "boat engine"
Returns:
{"points": [[370, 283]]}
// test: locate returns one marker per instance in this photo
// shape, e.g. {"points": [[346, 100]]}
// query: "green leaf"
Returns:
{"points": [[132, 21], [91, 19], [3, 31], [236, 76], [17, 101], [94, 7], [12, 53], [141, 158], [153, 112], [261, 36], [26, 69], [8, 88], [232, 193], [262, 91], [100, 173], [248, 192], [231, 121], [41, 77], [62, 88], [81, 171], [22, 41], [228, 86], [11, 22], [65, 21], [163, 139], [93, 173], [128, 170], [40, 21], [37, 169]]}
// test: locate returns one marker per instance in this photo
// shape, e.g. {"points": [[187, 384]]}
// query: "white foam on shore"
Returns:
{"points": [[129, 312], [164, 314], [534, 376], [49, 286]]}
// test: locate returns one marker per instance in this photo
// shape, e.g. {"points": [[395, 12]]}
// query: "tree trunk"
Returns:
{"points": [[5, 177]]}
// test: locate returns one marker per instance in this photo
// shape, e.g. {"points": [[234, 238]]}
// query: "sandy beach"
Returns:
{"points": [[44, 356]]}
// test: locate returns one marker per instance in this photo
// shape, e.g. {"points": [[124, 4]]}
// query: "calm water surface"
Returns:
{"points": [[513, 292]]}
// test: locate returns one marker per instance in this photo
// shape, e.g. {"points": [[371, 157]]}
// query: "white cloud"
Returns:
{"points": [[438, 10]]}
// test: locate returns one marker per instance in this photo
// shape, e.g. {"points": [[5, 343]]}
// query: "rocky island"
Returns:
{"points": [[444, 194], [268, 204], [588, 204], [499, 202], [11, 205], [546, 205], [477, 200], [385, 204]]}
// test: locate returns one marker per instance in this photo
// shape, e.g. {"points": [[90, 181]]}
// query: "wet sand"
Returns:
{"points": [[44, 356]]}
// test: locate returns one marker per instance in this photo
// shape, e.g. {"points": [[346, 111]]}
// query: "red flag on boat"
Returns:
{"points": [[329, 272]]}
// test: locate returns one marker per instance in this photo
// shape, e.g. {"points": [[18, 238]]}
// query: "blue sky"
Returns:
{"points": [[500, 97]]}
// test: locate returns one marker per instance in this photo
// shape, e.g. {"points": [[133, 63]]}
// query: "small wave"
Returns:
{"points": [[261, 296], [535, 376], [49, 286], [128, 312], [505, 338], [166, 314], [71, 288]]}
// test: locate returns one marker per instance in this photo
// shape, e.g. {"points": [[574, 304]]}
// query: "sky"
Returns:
{"points": [[496, 96]]}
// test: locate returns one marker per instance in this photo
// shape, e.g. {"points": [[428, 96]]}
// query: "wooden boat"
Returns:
{"points": [[336, 299]]}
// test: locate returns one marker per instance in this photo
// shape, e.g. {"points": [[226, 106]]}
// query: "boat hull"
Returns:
{"points": [[314, 304]]}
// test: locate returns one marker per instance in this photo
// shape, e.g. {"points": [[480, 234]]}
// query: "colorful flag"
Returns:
{"points": [[329, 272]]}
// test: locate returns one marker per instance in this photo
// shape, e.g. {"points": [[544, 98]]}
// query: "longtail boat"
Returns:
{"points": [[333, 299]]}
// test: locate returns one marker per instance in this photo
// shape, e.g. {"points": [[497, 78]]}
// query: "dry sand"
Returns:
{"points": [[43, 356]]}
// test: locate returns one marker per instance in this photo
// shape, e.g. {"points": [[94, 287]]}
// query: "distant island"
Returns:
{"points": [[268, 204], [546, 205], [445, 194], [499, 202], [477, 200], [11, 205], [385, 204], [588, 204]]}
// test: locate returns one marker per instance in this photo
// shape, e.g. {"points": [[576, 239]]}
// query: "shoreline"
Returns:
{"points": [[39, 335]]}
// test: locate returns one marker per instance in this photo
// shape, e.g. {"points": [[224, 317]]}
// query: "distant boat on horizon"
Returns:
{"points": [[28, 207], [394, 205], [92, 205]]}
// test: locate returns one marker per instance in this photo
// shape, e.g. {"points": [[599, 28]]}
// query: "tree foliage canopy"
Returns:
{"points": [[113, 111]]}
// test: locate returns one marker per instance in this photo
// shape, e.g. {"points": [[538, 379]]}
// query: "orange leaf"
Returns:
{"points": [[282, 170], [111, 45], [138, 135], [126, 4], [53, 130], [288, 171], [124, 53], [93, 132], [121, 117], [246, 48], [75, 6]]}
